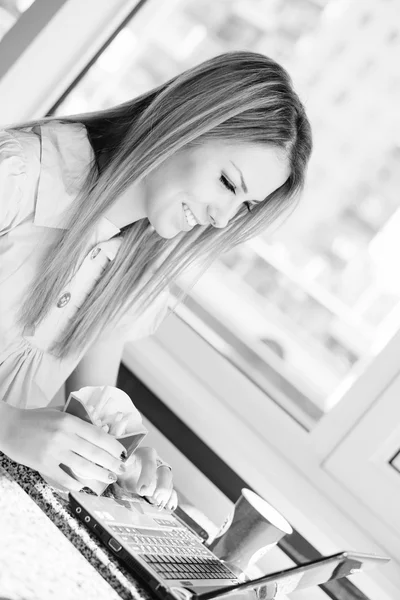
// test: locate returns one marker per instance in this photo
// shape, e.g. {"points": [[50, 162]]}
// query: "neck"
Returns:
{"points": [[128, 208]]}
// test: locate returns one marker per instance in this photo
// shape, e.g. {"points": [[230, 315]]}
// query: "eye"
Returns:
{"points": [[228, 184]]}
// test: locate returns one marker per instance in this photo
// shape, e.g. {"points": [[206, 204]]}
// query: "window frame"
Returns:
{"points": [[273, 468], [93, 24]]}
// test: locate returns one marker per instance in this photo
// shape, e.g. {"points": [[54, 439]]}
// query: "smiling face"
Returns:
{"points": [[207, 184]]}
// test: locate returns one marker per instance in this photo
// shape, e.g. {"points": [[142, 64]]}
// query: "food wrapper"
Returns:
{"points": [[79, 404]]}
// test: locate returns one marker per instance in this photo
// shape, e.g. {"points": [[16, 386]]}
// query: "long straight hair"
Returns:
{"points": [[240, 97]]}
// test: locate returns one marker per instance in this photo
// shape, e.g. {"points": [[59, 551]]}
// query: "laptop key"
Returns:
{"points": [[150, 558]]}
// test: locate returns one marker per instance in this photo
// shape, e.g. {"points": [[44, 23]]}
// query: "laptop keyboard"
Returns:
{"points": [[173, 554]]}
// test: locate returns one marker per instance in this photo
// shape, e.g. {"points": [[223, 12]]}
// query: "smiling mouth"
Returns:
{"points": [[190, 218]]}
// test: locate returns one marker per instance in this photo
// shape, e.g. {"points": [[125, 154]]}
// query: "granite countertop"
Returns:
{"points": [[45, 552]]}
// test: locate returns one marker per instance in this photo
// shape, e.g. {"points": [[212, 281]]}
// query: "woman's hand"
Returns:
{"points": [[44, 438], [143, 477]]}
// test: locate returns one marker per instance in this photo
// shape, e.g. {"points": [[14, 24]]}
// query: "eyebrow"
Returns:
{"points": [[244, 186]]}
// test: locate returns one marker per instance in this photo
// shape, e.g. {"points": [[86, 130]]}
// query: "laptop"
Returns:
{"points": [[174, 562]]}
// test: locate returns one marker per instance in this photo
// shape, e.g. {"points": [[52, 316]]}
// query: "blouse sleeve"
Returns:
{"points": [[15, 200]]}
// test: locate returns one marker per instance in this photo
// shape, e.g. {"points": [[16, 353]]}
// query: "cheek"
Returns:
{"points": [[159, 191], [180, 179], [169, 179]]}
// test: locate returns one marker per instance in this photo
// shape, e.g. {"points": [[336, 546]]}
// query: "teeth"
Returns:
{"points": [[190, 218]]}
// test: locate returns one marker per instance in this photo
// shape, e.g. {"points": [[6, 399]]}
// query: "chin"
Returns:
{"points": [[166, 232], [169, 236]]}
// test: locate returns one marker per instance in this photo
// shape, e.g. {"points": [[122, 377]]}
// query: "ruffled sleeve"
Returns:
{"points": [[17, 185]]}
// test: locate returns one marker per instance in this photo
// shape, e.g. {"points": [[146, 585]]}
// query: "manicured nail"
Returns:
{"points": [[143, 490]]}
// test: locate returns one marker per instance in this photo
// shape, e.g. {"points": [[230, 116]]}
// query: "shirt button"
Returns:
{"points": [[94, 253], [63, 300]]}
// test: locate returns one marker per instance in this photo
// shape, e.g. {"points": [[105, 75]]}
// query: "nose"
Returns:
{"points": [[221, 215], [218, 222]]}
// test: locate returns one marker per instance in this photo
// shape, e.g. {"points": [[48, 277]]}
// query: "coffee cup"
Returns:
{"points": [[251, 530]]}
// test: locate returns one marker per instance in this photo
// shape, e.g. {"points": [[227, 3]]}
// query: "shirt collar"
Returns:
{"points": [[111, 247], [66, 157]]}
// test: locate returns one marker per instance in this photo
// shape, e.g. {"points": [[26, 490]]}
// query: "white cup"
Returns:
{"points": [[253, 528]]}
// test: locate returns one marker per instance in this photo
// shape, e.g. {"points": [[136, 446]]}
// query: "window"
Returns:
{"points": [[10, 12], [307, 302]]}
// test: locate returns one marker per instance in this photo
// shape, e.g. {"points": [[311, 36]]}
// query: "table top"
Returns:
{"points": [[46, 552]]}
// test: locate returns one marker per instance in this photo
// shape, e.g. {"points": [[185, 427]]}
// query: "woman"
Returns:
{"points": [[102, 211]]}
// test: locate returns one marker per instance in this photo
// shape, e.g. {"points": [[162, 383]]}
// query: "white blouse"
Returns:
{"points": [[41, 172]]}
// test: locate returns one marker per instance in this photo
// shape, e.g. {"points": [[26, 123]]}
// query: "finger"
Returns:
{"points": [[98, 437], [164, 487], [173, 501], [147, 481], [88, 470], [109, 420], [97, 456], [129, 479], [162, 499], [67, 481]]}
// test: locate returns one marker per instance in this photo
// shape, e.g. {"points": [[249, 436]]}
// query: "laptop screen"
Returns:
{"points": [[304, 576]]}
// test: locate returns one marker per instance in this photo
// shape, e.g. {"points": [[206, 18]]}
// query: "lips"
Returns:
{"points": [[191, 218]]}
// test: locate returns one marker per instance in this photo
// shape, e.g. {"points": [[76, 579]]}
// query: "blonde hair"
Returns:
{"points": [[239, 96]]}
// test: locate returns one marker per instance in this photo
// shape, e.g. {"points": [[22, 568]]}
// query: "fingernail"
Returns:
{"points": [[124, 455], [112, 477], [122, 468], [143, 490]]}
